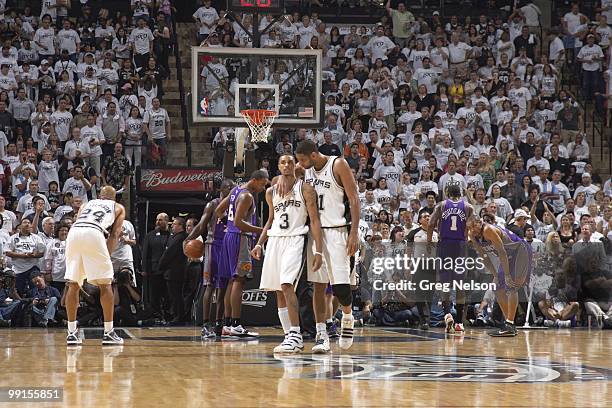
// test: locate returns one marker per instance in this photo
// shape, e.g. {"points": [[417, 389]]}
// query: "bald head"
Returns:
{"points": [[108, 193]]}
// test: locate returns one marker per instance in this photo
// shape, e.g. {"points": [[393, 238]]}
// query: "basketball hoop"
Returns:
{"points": [[259, 121]]}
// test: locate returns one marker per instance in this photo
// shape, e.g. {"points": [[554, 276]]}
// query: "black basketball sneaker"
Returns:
{"points": [[507, 330]]}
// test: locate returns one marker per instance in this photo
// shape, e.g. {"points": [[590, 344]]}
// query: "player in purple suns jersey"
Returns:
{"points": [[509, 259], [450, 219], [236, 264], [212, 229]]}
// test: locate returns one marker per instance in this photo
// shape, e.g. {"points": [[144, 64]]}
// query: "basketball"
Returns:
{"points": [[194, 249]]}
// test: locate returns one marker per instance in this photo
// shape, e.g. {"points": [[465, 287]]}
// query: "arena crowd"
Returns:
{"points": [[414, 104]]}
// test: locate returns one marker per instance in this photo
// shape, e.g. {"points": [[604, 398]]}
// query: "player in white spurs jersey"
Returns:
{"points": [[333, 180], [285, 258], [88, 257]]}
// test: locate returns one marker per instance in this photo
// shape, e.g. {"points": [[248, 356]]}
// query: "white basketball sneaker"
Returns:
{"points": [[321, 344], [292, 344], [450, 323], [73, 339], [111, 338], [346, 332]]}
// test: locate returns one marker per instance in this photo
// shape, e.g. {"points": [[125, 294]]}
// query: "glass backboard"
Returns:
{"points": [[228, 80]]}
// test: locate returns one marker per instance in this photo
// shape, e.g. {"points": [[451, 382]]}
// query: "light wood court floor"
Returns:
{"points": [[385, 368]]}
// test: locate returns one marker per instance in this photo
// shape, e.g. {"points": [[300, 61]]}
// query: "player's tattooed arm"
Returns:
{"points": [[344, 173], [310, 197], [433, 221], [222, 207], [258, 248], [299, 171]]}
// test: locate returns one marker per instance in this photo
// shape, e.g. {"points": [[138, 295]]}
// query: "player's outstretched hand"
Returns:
{"points": [[318, 261], [256, 252], [352, 245]]}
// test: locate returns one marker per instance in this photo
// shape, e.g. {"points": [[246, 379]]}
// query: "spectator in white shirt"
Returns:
{"points": [[78, 185], [591, 56], [207, 17], [141, 39], [380, 45], [578, 150], [306, 31], [44, 38], [69, 40], [459, 52], [76, 147], [587, 188]]}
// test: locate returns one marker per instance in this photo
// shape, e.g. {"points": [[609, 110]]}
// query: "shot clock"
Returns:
{"points": [[257, 6]]}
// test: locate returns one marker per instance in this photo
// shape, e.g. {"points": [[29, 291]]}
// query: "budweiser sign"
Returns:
{"points": [[178, 180]]}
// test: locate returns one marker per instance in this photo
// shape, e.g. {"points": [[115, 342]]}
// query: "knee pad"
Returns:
{"points": [[343, 293]]}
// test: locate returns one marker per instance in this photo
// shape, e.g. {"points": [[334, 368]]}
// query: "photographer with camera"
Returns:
{"points": [[11, 305], [44, 301], [129, 311], [122, 257]]}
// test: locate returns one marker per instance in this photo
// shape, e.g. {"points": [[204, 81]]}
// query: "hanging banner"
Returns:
{"points": [[178, 180]]}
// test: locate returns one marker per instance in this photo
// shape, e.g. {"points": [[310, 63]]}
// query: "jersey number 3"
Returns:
{"points": [[285, 218]]}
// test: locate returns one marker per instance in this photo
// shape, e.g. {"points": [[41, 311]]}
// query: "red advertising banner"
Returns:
{"points": [[180, 180]]}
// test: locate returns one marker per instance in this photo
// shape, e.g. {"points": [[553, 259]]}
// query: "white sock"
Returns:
{"points": [[330, 321], [108, 327], [510, 321], [283, 316], [72, 326], [295, 329], [347, 316], [321, 328]]}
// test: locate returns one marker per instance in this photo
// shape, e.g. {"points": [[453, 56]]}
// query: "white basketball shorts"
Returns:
{"points": [[87, 256], [336, 267], [284, 262], [207, 265]]}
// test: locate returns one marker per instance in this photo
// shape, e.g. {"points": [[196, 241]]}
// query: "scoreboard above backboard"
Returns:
{"points": [[257, 6]]}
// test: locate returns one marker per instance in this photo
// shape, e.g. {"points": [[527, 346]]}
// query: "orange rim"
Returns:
{"points": [[257, 116]]}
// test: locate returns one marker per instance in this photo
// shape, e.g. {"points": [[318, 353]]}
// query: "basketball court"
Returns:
{"points": [[385, 367]]}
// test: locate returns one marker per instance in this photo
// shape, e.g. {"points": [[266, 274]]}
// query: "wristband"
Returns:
{"points": [[318, 253], [258, 245]]}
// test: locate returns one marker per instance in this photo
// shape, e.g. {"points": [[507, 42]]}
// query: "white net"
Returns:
{"points": [[260, 121]]}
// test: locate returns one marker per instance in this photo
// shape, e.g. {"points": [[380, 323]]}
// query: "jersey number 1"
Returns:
{"points": [[321, 202], [453, 223]]}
